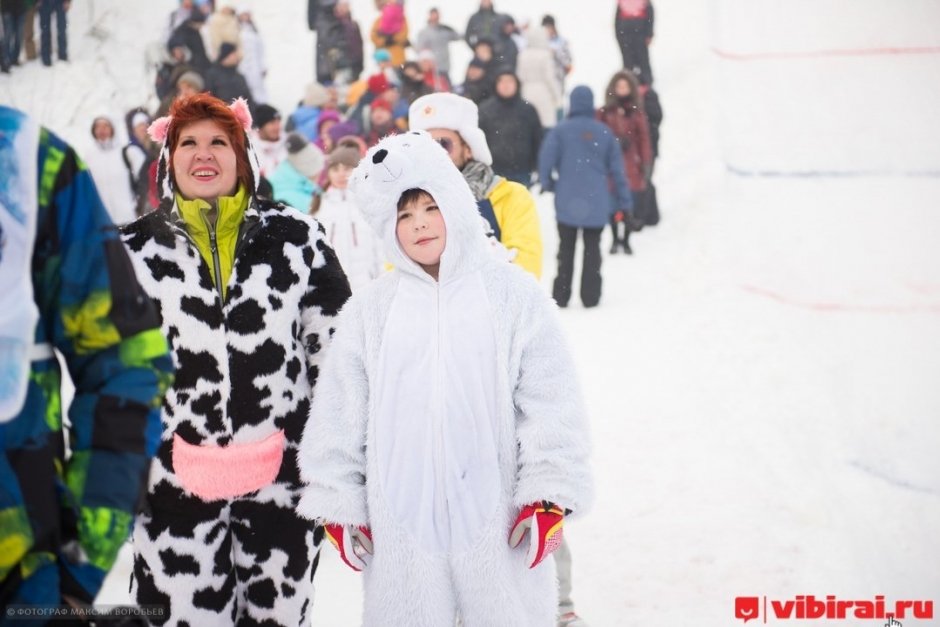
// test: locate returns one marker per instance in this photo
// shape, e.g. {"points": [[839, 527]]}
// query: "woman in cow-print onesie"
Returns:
{"points": [[247, 290]]}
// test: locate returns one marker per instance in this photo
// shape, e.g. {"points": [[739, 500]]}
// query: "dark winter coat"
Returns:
{"points": [[316, 9], [484, 24], [654, 115], [411, 89], [630, 127], [226, 83], [587, 159], [190, 37], [477, 91], [342, 47], [514, 133]]}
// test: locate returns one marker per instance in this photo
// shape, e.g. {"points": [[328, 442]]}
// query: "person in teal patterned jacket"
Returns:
{"points": [[64, 516]]}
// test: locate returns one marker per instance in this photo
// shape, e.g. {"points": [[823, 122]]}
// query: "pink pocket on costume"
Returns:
{"points": [[224, 472]]}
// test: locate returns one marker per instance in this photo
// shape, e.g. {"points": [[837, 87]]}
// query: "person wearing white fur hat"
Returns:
{"points": [[449, 440], [247, 291], [453, 121]]}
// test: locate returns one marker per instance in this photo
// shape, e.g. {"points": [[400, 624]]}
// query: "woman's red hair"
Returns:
{"points": [[186, 111]]}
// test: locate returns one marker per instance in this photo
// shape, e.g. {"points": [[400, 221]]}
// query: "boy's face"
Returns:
{"points": [[422, 233]]}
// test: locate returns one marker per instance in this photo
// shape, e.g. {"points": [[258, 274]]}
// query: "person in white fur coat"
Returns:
{"points": [[448, 439]]}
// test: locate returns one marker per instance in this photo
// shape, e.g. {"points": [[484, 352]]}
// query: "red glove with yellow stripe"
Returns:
{"points": [[544, 522], [353, 543]]}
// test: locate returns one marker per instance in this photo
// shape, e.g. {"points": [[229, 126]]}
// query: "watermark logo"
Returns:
{"points": [[810, 607], [746, 608]]}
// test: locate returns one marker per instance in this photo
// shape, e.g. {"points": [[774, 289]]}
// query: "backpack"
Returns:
{"points": [[19, 142]]}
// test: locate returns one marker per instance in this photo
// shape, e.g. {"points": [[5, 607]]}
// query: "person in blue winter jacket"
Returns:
{"points": [[67, 288], [579, 160]]}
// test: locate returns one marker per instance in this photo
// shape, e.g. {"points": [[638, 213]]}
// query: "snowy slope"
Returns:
{"points": [[761, 374]]}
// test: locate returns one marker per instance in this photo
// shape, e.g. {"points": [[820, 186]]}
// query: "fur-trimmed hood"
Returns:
{"points": [[414, 160]]}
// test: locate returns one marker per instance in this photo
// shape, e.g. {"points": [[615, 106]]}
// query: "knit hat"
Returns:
{"points": [[381, 103], [265, 113], [328, 115], [346, 155], [226, 49], [342, 129], [315, 95], [192, 78], [453, 112], [140, 118], [304, 156], [381, 55], [377, 83]]}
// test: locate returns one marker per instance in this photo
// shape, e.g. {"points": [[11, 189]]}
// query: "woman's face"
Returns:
{"points": [[622, 88], [204, 164]]}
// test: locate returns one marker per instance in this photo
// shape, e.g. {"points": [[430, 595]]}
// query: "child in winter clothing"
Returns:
{"points": [[356, 245], [448, 421], [392, 18], [107, 168], [390, 30]]}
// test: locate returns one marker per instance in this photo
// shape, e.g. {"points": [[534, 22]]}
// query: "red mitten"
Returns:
{"points": [[544, 523], [353, 543]]}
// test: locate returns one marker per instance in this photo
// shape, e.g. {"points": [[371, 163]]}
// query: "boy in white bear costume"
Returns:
{"points": [[447, 439]]}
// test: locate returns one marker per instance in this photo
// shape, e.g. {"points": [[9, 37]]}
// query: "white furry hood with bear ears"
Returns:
{"points": [[159, 130], [413, 160]]}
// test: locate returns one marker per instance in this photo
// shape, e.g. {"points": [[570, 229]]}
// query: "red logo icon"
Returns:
{"points": [[746, 608]]}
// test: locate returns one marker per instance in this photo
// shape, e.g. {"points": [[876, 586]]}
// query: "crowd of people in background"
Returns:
{"points": [[517, 77]]}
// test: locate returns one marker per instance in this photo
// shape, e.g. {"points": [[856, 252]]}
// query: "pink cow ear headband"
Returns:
{"points": [[159, 128]]}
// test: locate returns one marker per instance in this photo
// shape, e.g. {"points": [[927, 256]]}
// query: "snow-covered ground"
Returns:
{"points": [[761, 374]]}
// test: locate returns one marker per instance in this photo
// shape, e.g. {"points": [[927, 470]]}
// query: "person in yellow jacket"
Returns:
{"points": [[395, 42], [509, 208]]}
